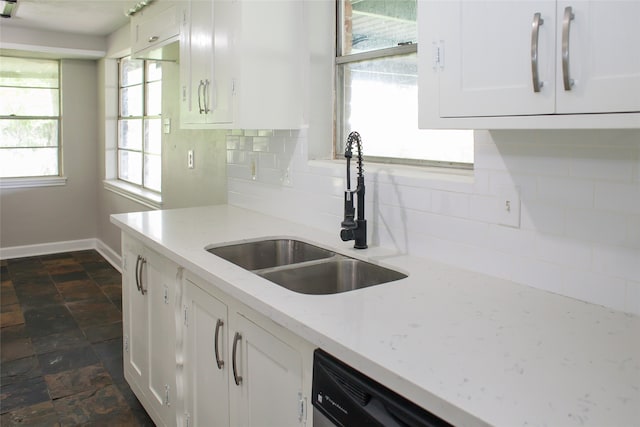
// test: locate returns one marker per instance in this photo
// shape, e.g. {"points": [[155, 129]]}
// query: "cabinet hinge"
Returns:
{"points": [[187, 420], [166, 395], [437, 49], [166, 294], [302, 408], [233, 86], [186, 315], [125, 342]]}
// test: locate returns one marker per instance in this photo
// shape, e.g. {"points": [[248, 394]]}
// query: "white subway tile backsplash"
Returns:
{"points": [[512, 240], [527, 185], [563, 251], [261, 143], [596, 226], [579, 233], [484, 208], [618, 197], [401, 196], [632, 299], [543, 218], [268, 160], [595, 288], [603, 163], [566, 192], [451, 204], [633, 232], [617, 261], [233, 142]]}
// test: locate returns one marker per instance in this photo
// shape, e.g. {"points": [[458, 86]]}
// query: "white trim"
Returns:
{"points": [[109, 254], [144, 197], [40, 181], [57, 247]]}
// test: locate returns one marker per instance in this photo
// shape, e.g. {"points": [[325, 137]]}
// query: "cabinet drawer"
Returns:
{"points": [[158, 25]]}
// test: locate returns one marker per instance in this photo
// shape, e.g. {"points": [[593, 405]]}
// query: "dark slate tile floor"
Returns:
{"points": [[61, 344]]}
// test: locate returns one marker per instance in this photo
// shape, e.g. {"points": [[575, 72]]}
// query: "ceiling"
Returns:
{"points": [[88, 17]]}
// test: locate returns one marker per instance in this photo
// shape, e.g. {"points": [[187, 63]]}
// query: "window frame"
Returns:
{"points": [[341, 59], [40, 180], [150, 193]]}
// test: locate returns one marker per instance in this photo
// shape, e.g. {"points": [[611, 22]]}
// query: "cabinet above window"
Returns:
{"points": [[512, 64], [155, 31]]}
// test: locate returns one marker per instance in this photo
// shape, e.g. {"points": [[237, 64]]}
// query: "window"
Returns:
{"points": [[29, 117], [139, 123], [377, 87]]}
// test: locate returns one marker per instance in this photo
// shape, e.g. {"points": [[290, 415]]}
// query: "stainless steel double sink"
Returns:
{"points": [[303, 267]]}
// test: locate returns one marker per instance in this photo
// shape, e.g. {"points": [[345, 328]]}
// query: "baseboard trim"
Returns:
{"points": [[109, 254], [56, 247]]}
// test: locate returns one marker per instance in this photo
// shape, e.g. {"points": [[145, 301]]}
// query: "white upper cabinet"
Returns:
{"points": [[598, 56], [206, 80], [243, 65], [155, 31], [523, 64]]}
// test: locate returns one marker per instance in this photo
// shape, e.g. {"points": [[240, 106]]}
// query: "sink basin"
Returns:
{"points": [[332, 276], [263, 254]]}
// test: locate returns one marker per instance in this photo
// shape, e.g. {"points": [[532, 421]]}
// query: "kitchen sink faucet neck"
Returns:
{"points": [[354, 228]]}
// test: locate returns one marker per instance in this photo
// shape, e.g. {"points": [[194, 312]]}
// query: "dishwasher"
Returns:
{"points": [[342, 396]]}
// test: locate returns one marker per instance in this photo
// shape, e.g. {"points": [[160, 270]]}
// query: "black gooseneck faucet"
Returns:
{"points": [[354, 229]]}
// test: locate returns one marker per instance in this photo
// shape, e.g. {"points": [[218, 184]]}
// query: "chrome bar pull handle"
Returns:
{"points": [[216, 341], [200, 100], [137, 274], [142, 263], [206, 96], [237, 378], [535, 31], [566, 29]]}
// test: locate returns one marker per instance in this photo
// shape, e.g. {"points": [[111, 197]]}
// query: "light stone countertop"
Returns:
{"points": [[468, 347]]}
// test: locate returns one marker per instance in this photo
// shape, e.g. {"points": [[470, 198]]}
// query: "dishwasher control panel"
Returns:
{"points": [[343, 396]]}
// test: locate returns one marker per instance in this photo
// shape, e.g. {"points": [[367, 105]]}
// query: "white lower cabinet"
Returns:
{"points": [[237, 373], [148, 305], [194, 356], [206, 364]]}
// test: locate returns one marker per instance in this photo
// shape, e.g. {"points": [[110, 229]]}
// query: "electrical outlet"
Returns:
{"points": [[509, 207], [253, 166], [190, 159], [286, 177]]}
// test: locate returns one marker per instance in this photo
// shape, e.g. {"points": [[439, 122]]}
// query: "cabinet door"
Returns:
{"points": [[269, 393], [155, 25], [601, 57], [205, 63], [159, 284], [190, 68], [134, 318], [485, 60], [206, 364]]}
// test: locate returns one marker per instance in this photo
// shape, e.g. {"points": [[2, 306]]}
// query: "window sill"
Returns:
{"points": [[43, 181], [144, 197], [446, 179]]}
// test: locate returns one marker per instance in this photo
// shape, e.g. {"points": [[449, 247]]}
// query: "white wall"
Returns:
{"points": [[80, 210], [31, 216]]}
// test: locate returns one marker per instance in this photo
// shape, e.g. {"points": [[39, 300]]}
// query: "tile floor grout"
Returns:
{"points": [[61, 343]]}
